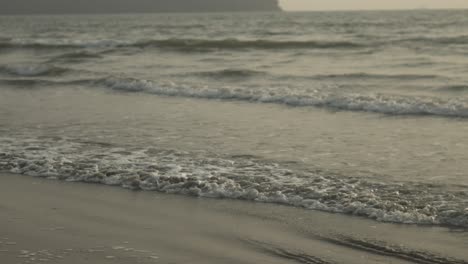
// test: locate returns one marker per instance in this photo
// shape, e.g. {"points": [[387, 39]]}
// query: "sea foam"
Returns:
{"points": [[327, 97], [234, 177], [320, 97]]}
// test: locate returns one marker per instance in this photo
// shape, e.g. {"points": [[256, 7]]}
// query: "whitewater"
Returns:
{"points": [[358, 113]]}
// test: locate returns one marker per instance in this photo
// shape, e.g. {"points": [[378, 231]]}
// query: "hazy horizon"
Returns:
{"points": [[308, 5]]}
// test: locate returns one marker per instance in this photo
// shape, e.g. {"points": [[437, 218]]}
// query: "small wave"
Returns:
{"points": [[32, 45], [377, 103], [241, 44], [453, 40], [34, 83], [63, 43], [181, 44], [32, 70], [213, 176], [25, 83], [193, 44], [78, 55], [231, 73], [377, 76]]}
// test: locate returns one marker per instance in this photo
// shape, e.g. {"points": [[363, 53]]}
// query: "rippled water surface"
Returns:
{"points": [[360, 113]]}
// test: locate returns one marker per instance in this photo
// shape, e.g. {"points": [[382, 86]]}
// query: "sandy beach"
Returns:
{"points": [[46, 221]]}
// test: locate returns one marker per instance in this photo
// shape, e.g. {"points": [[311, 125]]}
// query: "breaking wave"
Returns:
{"points": [[184, 44], [377, 103], [188, 44], [388, 104], [44, 83], [234, 177]]}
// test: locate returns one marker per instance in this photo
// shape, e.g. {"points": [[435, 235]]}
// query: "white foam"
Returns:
{"points": [[208, 175], [84, 43], [320, 97]]}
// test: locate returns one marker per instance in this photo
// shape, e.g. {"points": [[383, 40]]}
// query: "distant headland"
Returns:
{"points": [[134, 6]]}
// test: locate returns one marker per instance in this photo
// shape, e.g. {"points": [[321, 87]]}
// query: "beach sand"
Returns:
{"points": [[46, 221]]}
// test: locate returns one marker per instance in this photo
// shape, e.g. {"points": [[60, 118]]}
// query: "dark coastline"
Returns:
{"points": [[23, 7]]}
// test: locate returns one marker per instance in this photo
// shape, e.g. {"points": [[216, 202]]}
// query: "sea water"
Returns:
{"points": [[361, 113]]}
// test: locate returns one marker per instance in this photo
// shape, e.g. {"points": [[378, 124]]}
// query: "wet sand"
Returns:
{"points": [[46, 221]]}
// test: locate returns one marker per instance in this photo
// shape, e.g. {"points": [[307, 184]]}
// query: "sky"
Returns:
{"points": [[295, 5]]}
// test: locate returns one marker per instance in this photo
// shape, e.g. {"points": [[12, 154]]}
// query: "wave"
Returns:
{"points": [[209, 175], [181, 44], [26, 83], [231, 73], [377, 103], [446, 40], [32, 70], [193, 44], [35, 83], [63, 43], [388, 104], [240, 44], [361, 75], [78, 55]]}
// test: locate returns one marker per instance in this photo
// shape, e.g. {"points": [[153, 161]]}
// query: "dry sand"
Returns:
{"points": [[45, 221]]}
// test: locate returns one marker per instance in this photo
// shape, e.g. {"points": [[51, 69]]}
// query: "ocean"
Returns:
{"points": [[357, 113]]}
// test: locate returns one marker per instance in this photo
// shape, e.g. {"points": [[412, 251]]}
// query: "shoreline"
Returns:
{"points": [[63, 222]]}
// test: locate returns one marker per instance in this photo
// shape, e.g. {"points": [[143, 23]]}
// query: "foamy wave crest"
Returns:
{"points": [[377, 103], [43, 83], [32, 70], [64, 43], [234, 177], [184, 44], [188, 44]]}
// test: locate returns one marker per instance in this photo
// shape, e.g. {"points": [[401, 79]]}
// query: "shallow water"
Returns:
{"points": [[359, 113]]}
